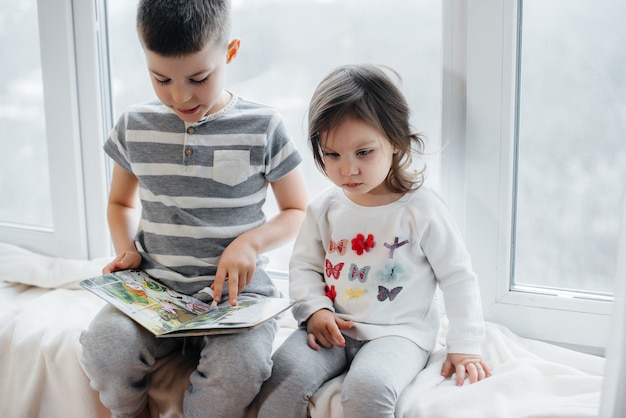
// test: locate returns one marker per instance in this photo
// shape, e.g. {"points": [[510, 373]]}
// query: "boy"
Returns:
{"points": [[199, 161]]}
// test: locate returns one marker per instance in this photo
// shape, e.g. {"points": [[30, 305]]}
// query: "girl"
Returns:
{"points": [[368, 259]]}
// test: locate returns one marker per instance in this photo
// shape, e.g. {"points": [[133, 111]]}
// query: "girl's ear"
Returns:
{"points": [[233, 49]]}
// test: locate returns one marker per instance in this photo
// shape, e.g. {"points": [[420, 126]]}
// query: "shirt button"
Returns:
{"points": [[189, 151], [191, 130]]}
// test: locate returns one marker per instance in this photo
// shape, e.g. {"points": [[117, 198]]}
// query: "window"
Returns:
{"points": [[282, 66], [524, 115], [44, 195], [545, 164], [571, 156], [24, 147]]}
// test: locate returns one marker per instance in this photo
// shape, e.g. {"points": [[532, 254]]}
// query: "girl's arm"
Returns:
{"points": [[123, 217], [306, 267], [238, 261], [451, 262], [324, 329], [472, 366]]}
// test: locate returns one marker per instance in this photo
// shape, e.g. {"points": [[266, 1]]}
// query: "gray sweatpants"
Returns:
{"points": [[379, 370], [118, 356]]}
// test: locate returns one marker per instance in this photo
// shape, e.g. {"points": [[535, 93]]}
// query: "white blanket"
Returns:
{"points": [[43, 314], [530, 379], [18, 265]]}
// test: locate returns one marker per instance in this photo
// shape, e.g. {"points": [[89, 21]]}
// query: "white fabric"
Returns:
{"points": [[41, 376], [18, 265], [530, 379], [40, 371]]}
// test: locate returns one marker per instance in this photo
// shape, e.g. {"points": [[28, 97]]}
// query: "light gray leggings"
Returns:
{"points": [[379, 370], [118, 355]]}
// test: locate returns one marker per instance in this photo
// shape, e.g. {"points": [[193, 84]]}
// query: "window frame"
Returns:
{"points": [[480, 179], [90, 32], [72, 89]]}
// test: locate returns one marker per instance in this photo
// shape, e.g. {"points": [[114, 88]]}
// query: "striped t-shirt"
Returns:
{"points": [[200, 185]]}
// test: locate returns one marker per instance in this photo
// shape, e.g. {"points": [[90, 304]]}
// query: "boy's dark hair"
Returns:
{"points": [[367, 93], [179, 27]]}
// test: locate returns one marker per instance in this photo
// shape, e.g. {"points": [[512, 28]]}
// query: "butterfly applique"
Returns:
{"points": [[333, 270], [356, 273], [361, 244], [351, 294], [384, 293], [339, 246]]}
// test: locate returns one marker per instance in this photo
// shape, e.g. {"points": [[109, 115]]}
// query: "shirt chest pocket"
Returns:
{"points": [[231, 167]]}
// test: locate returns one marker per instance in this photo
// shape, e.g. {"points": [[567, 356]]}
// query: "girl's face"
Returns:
{"points": [[358, 158], [192, 85]]}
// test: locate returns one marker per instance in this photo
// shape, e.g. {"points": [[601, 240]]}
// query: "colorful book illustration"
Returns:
{"points": [[167, 313]]}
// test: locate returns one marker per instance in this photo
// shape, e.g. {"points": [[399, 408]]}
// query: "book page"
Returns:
{"points": [[165, 312]]}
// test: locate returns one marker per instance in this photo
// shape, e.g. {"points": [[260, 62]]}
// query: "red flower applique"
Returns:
{"points": [[361, 244], [331, 293]]}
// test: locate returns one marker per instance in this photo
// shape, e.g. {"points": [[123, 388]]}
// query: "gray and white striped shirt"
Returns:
{"points": [[200, 185]]}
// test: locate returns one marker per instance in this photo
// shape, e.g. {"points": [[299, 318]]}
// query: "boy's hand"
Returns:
{"points": [[324, 328], [124, 260], [237, 264], [463, 364]]}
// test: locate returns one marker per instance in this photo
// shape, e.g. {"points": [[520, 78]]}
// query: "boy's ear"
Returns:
{"points": [[233, 49]]}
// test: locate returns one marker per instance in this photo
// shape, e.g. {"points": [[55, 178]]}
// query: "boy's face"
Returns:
{"points": [[192, 85]]}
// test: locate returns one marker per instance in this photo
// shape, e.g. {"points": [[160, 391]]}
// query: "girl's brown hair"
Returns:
{"points": [[366, 92]]}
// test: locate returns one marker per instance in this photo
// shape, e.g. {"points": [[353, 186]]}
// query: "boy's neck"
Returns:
{"points": [[225, 98], [221, 103]]}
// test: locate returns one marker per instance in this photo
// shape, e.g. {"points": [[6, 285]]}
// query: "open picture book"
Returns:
{"points": [[167, 313]]}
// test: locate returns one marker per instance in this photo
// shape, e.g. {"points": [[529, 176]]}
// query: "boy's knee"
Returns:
{"points": [[256, 371], [111, 340]]}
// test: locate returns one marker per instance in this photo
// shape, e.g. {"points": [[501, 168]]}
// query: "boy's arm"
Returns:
{"points": [[238, 261], [123, 217]]}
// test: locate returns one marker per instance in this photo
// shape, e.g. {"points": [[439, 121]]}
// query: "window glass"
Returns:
{"points": [[287, 47], [24, 180], [571, 158]]}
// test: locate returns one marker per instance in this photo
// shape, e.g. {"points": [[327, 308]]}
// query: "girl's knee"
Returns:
{"points": [[374, 388], [285, 397], [358, 398]]}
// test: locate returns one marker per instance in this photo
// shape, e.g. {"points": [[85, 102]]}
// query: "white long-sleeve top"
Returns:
{"points": [[380, 267]]}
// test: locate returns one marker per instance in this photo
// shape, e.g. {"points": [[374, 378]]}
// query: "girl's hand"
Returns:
{"points": [[237, 263], [324, 328], [123, 261], [463, 364]]}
